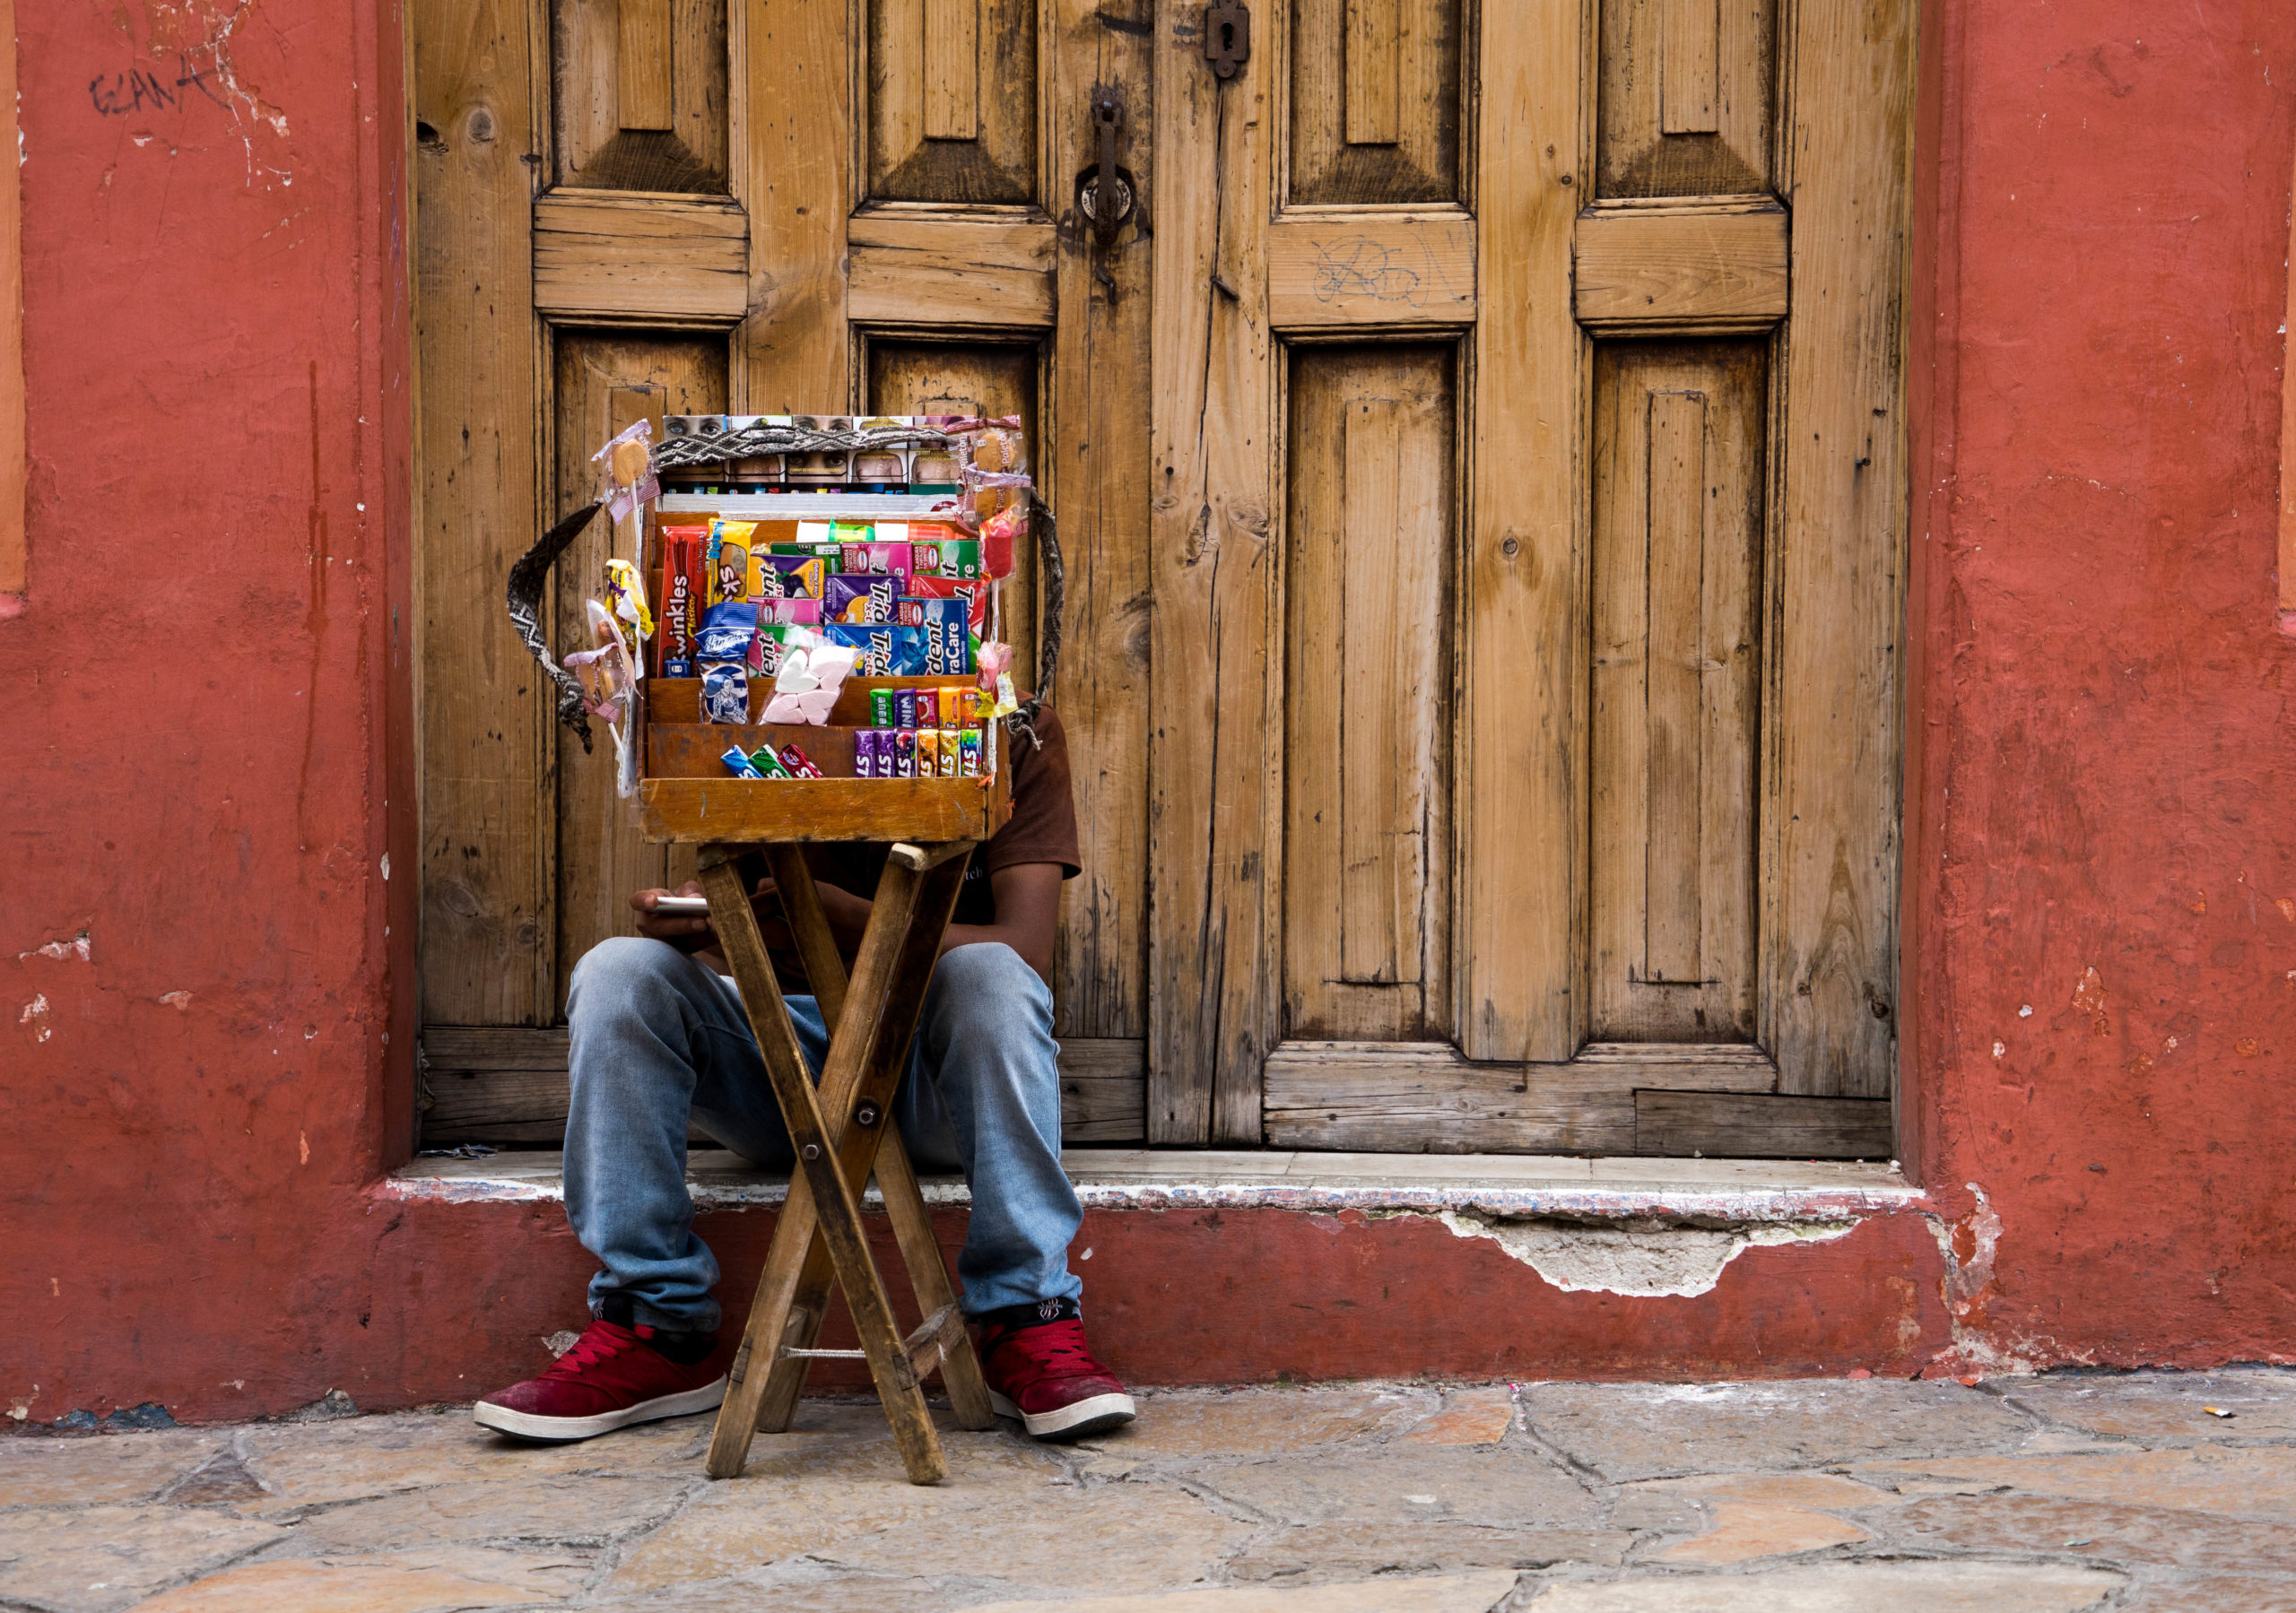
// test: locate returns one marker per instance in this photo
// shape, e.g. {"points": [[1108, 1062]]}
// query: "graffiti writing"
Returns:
{"points": [[1361, 267], [142, 89]]}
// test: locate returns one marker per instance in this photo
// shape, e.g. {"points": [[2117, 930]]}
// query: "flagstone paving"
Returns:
{"points": [[2055, 1494]]}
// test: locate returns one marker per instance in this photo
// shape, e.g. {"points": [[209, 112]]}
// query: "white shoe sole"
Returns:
{"points": [[1070, 1422], [527, 1424]]}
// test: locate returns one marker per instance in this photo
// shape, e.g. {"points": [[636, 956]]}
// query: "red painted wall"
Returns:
{"points": [[2106, 765], [209, 760], [206, 722]]}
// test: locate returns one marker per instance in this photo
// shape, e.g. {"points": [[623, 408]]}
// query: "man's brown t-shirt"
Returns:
{"points": [[1041, 829]]}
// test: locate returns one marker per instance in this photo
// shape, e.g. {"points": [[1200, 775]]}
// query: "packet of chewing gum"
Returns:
{"points": [[969, 753], [738, 764], [973, 591], [860, 598], [928, 752], [950, 744], [788, 576], [878, 556], [904, 753]]}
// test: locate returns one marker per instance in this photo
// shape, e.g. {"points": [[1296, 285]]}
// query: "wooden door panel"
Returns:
{"points": [[1367, 524], [1375, 99], [952, 101], [1842, 577], [1689, 89], [638, 95], [487, 747], [1678, 524], [601, 384]]}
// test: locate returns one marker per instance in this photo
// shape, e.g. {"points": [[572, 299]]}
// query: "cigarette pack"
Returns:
{"points": [[860, 598]]}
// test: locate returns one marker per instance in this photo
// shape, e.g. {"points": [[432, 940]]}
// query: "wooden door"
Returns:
{"points": [[1529, 504], [633, 207], [1480, 465]]}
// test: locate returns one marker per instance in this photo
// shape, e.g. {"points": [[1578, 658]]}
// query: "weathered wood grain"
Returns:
{"points": [[1214, 772], [747, 810], [1400, 1097], [1729, 1125], [952, 101], [1522, 775], [1680, 467], [508, 1084], [1094, 460], [657, 261], [1686, 97], [1841, 546], [638, 95], [1374, 101], [1334, 268], [1707, 269], [1369, 524], [907, 272], [486, 744], [793, 173]]}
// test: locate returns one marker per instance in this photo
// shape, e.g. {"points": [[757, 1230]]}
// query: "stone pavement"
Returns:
{"points": [[2048, 1494]]}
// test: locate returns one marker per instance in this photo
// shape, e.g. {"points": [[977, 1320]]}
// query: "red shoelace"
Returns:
{"points": [[1055, 1351], [600, 1342]]}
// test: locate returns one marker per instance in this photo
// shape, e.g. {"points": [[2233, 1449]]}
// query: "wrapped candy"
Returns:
{"points": [[627, 463], [813, 672]]}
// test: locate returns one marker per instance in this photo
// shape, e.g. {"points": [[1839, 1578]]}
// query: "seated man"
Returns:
{"points": [[660, 1038]]}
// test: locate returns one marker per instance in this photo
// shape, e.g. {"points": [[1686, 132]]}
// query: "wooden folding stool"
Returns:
{"points": [[841, 1131]]}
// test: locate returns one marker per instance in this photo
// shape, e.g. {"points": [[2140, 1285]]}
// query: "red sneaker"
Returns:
{"points": [[614, 1376], [1042, 1371]]}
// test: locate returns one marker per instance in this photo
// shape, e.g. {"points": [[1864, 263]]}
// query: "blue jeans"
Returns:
{"points": [[658, 1038]]}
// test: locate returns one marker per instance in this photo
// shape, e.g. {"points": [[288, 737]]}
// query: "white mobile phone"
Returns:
{"points": [[683, 906]]}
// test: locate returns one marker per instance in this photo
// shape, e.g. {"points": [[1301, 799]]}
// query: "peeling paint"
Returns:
{"points": [[1643, 1262], [34, 1015], [77, 947]]}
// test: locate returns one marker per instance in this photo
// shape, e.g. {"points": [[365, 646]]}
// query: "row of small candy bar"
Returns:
{"points": [[877, 753]]}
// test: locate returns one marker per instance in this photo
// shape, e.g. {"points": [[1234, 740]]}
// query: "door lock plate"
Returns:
{"points": [[1227, 37]]}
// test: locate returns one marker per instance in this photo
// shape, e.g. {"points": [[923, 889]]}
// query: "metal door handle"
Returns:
{"points": [[1104, 190], [1107, 117]]}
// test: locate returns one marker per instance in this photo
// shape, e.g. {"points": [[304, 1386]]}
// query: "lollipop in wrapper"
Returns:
{"points": [[608, 674]]}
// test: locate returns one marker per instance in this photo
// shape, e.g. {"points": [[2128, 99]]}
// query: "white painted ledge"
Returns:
{"points": [[1732, 1191]]}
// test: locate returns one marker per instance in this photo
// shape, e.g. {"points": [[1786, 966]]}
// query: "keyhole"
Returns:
{"points": [[1227, 39]]}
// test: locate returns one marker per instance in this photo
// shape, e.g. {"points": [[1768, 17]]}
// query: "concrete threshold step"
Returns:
{"points": [[1708, 1191]]}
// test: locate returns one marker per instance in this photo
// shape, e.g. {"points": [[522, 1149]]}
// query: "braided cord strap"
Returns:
{"points": [[1054, 578], [528, 574]]}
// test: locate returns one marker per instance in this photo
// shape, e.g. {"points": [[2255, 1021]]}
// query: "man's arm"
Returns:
{"points": [[1028, 912]]}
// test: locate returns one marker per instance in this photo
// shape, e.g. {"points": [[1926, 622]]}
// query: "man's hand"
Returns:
{"points": [[688, 933]]}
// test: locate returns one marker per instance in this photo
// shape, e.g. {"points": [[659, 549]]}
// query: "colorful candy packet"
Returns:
{"points": [[738, 764]]}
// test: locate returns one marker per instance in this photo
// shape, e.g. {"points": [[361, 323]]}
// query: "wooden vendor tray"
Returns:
{"points": [[684, 794]]}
